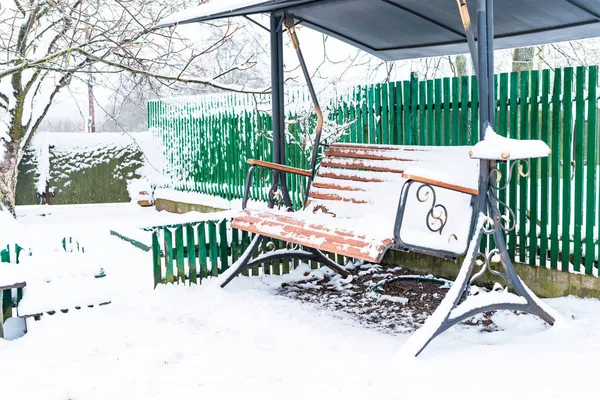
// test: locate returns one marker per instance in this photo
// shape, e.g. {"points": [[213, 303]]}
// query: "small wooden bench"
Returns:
{"points": [[50, 282], [356, 196]]}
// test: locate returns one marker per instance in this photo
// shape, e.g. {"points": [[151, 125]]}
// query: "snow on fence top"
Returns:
{"points": [[297, 101]]}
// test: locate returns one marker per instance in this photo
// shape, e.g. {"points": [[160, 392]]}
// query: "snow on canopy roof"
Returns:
{"points": [[403, 29], [206, 10]]}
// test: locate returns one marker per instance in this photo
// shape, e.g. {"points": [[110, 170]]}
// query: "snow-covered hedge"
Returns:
{"points": [[82, 168]]}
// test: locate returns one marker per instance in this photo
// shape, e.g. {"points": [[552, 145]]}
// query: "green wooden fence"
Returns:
{"points": [[189, 253], [206, 140]]}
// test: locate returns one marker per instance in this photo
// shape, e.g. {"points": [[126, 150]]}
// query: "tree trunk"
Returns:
{"points": [[8, 174], [461, 65], [522, 59]]}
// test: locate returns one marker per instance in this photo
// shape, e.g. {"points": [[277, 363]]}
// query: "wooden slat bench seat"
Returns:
{"points": [[295, 228], [355, 197]]}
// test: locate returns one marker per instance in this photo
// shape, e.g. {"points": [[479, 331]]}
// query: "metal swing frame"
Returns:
{"points": [[487, 218], [490, 220]]}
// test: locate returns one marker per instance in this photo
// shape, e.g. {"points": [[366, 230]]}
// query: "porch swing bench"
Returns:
{"points": [[363, 200], [354, 205]]}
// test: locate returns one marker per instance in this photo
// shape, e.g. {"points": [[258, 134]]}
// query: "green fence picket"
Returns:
{"points": [[422, 139], [591, 171], [156, 258], [545, 170], [202, 250], [430, 121], [555, 160], [385, 123], [455, 113], [399, 114], [414, 112], [523, 207], [376, 114], [224, 246], [392, 113], [371, 115], [406, 136], [578, 157], [438, 135], [512, 190], [464, 111], [236, 250], [179, 251], [567, 148], [502, 128], [214, 249], [447, 113], [168, 251], [474, 111], [191, 254], [534, 221]]}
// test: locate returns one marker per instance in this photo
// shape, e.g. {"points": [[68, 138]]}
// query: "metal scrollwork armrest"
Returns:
{"points": [[437, 215]]}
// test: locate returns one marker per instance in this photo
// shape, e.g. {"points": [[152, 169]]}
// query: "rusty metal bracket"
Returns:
{"points": [[466, 21]]}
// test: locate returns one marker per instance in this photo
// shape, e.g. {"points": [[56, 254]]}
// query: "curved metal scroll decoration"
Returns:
{"points": [[506, 222], [275, 195], [497, 221], [268, 246], [265, 175], [485, 261], [435, 222], [292, 246]]}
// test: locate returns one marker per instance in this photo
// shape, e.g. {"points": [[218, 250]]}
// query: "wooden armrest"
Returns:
{"points": [[280, 167], [450, 186]]}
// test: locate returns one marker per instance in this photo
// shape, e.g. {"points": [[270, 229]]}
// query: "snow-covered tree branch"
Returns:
{"points": [[45, 44]]}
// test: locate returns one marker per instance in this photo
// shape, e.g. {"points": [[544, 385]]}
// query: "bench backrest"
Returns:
{"points": [[365, 181]]}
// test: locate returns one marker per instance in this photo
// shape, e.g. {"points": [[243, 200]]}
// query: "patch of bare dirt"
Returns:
{"points": [[383, 298]]}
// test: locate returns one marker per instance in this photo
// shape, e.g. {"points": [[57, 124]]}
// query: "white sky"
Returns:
{"points": [[70, 102]]}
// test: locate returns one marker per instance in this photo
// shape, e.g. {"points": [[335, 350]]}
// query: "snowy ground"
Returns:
{"points": [[248, 342]]}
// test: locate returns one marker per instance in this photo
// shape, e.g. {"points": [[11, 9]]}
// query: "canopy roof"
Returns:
{"points": [[402, 29]]}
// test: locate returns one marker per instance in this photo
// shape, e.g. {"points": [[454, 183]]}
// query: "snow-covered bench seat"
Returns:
{"points": [[53, 281], [366, 199], [64, 294], [63, 281]]}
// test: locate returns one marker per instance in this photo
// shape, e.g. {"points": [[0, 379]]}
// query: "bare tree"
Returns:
{"points": [[522, 59], [47, 44]]}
